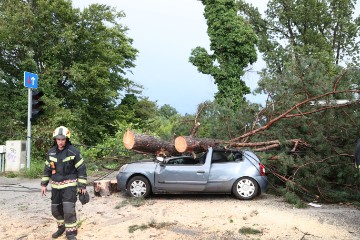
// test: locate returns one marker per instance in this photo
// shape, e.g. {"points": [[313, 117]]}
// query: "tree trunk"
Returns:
{"points": [[148, 144], [114, 186], [191, 144]]}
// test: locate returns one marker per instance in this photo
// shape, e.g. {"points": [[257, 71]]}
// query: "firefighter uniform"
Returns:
{"points": [[66, 171]]}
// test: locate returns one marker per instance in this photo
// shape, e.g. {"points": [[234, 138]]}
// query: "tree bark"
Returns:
{"points": [[191, 144], [114, 186], [148, 144]]}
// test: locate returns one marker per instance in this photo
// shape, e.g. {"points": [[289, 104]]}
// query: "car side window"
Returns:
{"points": [[219, 157], [175, 161], [183, 161], [224, 157], [200, 160]]}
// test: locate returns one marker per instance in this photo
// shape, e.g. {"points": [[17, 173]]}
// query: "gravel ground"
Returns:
{"points": [[25, 214]]}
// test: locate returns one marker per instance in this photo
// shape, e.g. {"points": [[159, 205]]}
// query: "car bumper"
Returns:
{"points": [[263, 183], [121, 179]]}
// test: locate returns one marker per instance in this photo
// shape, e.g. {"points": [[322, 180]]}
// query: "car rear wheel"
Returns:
{"points": [[245, 188], [139, 186]]}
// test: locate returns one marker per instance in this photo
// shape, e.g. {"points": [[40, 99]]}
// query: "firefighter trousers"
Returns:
{"points": [[63, 208]]}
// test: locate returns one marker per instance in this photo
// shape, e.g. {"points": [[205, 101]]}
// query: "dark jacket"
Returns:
{"points": [[64, 168]]}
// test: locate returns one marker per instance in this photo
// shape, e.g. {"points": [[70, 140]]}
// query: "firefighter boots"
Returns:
{"points": [[59, 232], [71, 237]]}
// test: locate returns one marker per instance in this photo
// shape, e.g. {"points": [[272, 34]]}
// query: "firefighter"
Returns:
{"points": [[66, 171]]}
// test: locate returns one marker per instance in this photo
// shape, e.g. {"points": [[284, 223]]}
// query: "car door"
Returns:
{"points": [[181, 175]]}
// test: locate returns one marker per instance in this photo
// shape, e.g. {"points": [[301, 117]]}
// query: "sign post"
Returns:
{"points": [[30, 81]]}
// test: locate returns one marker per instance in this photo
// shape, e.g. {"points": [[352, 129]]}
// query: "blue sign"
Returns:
{"points": [[30, 80]]}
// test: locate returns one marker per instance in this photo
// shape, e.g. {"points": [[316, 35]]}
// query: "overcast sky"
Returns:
{"points": [[164, 32]]}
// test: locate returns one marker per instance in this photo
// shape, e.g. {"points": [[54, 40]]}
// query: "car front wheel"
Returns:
{"points": [[245, 188], [139, 186]]}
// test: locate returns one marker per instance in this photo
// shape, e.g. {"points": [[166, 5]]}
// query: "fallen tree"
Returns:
{"points": [[148, 144], [192, 144]]}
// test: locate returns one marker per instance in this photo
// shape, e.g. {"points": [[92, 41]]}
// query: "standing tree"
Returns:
{"points": [[81, 57], [232, 42]]}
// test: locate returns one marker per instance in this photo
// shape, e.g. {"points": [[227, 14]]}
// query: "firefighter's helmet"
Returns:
{"points": [[61, 133]]}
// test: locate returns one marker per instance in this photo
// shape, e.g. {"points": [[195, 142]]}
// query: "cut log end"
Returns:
{"points": [[181, 144], [103, 188], [129, 139]]}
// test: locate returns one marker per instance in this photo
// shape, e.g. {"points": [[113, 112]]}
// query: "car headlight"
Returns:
{"points": [[122, 169]]}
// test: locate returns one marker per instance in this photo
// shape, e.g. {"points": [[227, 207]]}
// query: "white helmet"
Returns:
{"points": [[61, 133]]}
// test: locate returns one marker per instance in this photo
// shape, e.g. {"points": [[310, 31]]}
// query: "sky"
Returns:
{"points": [[164, 33]]}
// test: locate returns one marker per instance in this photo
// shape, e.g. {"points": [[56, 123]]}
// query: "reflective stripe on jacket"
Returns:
{"points": [[64, 168]]}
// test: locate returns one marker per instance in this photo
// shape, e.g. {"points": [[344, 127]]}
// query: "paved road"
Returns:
{"points": [[17, 187]]}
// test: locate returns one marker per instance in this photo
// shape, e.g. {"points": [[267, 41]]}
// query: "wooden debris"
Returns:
{"points": [[114, 186], [102, 188]]}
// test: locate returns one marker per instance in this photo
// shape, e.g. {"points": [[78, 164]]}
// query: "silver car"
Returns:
{"points": [[214, 171]]}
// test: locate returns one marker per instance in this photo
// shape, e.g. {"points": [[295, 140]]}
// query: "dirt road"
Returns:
{"points": [[24, 214]]}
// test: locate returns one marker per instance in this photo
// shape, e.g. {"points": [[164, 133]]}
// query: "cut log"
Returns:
{"points": [[148, 144], [102, 188], [191, 144], [114, 186]]}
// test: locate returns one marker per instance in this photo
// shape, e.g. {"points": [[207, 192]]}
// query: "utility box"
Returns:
{"points": [[2, 149], [15, 156]]}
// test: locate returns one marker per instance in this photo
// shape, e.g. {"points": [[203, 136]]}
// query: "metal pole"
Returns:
{"points": [[2, 164], [28, 139]]}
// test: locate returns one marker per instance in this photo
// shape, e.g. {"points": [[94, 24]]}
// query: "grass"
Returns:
{"points": [[35, 171], [122, 204], [23, 207], [151, 224], [135, 202], [248, 231], [293, 199], [79, 223]]}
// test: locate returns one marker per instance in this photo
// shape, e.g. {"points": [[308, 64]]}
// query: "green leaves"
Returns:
{"points": [[81, 59], [232, 42]]}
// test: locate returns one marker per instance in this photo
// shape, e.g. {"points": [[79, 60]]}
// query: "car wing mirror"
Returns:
{"points": [[160, 159]]}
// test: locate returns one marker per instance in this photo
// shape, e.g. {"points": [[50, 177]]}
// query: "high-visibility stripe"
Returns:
{"points": [[69, 158], [65, 185], [82, 181], [45, 179], [79, 163], [60, 222], [71, 225], [53, 159], [47, 163]]}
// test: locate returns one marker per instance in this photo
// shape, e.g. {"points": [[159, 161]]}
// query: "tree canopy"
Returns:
{"points": [[233, 46], [82, 59]]}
